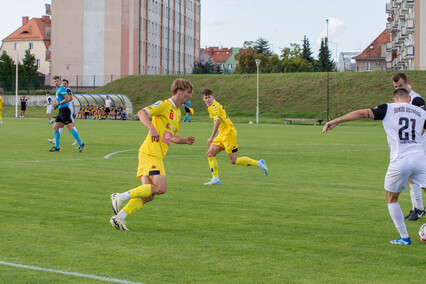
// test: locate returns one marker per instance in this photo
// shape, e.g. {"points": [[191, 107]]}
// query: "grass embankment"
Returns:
{"points": [[298, 95]]}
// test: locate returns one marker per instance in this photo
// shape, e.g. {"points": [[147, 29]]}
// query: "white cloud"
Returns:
{"points": [[335, 27]]}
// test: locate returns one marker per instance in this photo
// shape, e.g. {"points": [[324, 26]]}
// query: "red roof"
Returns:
{"points": [[218, 54], [374, 49], [34, 29]]}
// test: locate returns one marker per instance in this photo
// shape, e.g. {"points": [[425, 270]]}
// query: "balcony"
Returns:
{"points": [[409, 3], [389, 8], [409, 52], [390, 47], [404, 8], [410, 25], [403, 33]]}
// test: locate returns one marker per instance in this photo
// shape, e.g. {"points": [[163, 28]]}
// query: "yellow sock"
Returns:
{"points": [[246, 161], [133, 205], [213, 166], [141, 191]]}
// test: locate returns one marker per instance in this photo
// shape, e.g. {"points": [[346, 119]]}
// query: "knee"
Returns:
{"points": [[210, 154], [233, 161], [159, 189]]}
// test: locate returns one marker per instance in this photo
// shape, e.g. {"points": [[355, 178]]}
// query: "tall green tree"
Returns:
{"points": [[29, 68], [307, 51], [293, 61], [324, 63], [262, 46], [7, 65]]}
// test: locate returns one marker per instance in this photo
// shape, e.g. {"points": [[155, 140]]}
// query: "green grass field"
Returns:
{"points": [[319, 216]]}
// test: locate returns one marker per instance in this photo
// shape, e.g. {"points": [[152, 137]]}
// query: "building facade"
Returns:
{"points": [[223, 57], [407, 47], [33, 35], [102, 40], [373, 58], [347, 61]]}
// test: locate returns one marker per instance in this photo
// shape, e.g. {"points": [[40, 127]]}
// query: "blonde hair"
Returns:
{"points": [[181, 84]]}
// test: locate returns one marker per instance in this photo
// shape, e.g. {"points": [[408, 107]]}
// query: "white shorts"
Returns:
{"points": [[72, 112], [411, 167], [49, 109]]}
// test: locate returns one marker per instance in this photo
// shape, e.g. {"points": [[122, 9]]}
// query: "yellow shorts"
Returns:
{"points": [[227, 142], [150, 166]]}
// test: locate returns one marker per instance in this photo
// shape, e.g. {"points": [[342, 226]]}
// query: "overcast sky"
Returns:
{"points": [[353, 25]]}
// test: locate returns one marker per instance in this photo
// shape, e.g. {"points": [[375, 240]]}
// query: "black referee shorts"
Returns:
{"points": [[64, 116]]}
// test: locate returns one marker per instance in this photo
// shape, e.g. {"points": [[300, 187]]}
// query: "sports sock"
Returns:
{"points": [[398, 219], [132, 206], [57, 137], [122, 214], [75, 129], [416, 196], [141, 191], [76, 136], [246, 161], [213, 166], [125, 195]]}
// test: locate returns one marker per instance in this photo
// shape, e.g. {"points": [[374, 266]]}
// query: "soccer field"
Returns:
{"points": [[319, 216]]}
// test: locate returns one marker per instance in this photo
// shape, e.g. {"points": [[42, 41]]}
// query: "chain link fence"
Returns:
{"points": [[40, 84]]}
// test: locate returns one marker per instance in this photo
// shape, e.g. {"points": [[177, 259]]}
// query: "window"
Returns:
{"points": [[368, 66], [30, 45], [37, 63]]}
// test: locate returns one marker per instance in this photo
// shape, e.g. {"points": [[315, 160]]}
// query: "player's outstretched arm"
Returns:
{"points": [[355, 115], [181, 140]]}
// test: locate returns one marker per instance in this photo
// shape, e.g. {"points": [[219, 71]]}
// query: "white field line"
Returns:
{"points": [[185, 155], [113, 153], [69, 273]]}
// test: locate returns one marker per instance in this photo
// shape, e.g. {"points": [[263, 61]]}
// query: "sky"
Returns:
{"points": [[352, 25]]}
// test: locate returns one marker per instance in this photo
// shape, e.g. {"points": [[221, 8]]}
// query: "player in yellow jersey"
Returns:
{"points": [[1, 110], [225, 140], [163, 129]]}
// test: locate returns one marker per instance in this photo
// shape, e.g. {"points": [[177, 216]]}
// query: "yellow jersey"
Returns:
{"points": [[165, 118], [1, 102], [216, 112]]}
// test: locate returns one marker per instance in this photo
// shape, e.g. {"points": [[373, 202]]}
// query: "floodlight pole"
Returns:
{"points": [[257, 101], [328, 80], [16, 81]]}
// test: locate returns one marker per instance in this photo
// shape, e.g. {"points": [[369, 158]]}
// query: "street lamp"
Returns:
{"points": [[257, 102], [16, 80]]}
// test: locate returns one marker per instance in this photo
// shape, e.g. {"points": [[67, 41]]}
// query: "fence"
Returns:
{"points": [[40, 84]]}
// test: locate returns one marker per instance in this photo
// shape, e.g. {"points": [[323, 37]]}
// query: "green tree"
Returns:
{"points": [[324, 63], [7, 65], [29, 68], [307, 51], [247, 64], [293, 61], [262, 46]]}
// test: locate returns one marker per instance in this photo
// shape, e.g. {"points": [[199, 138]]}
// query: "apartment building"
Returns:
{"points": [[102, 39], [33, 35], [407, 29]]}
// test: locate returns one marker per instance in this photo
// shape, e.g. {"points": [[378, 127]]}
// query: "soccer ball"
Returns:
{"points": [[251, 122], [422, 233]]}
